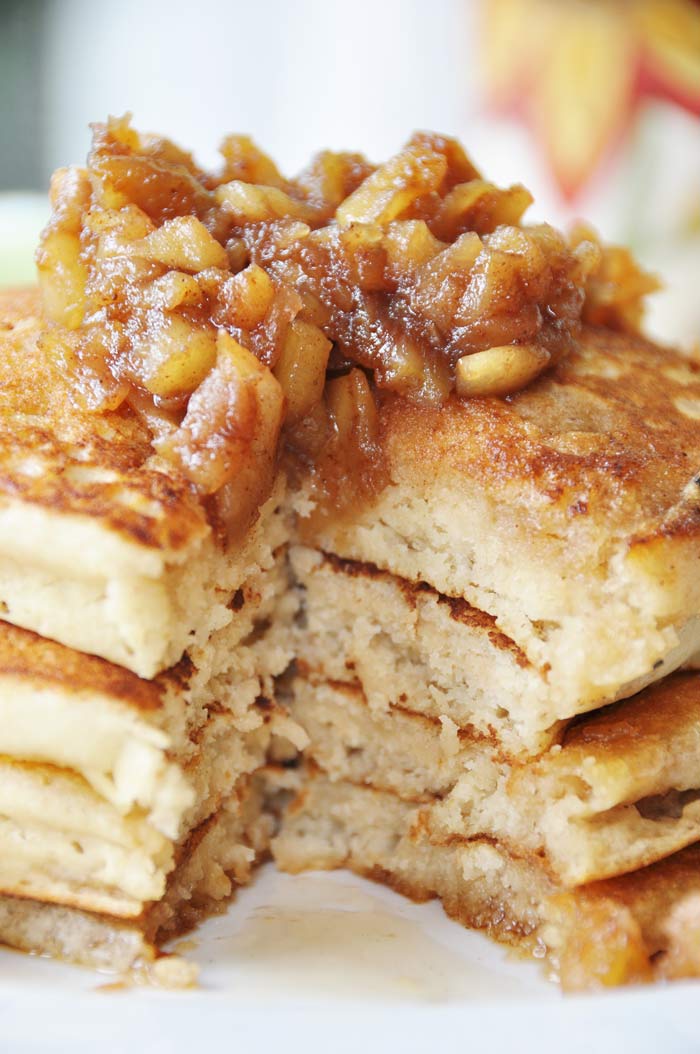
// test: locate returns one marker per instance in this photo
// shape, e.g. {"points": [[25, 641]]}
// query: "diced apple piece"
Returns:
{"points": [[353, 413], [500, 371], [301, 368], [442, 280], [248, 296], [248, 488], [62, 277], [585, 960], [173, 289], [390, 190], [313, 309], [130, 222], [230, 431], [309, 436], [246, 162], [247, 366], [410, 244], [250, 203], [69, 195], [460, 256], [119, 128], [325, 177], [460, 167], [118, 230], [403, 369], [183, 243], [437, 381], [479, 206], [217, 431], [179, 359], [237, 252], [615, 284]]}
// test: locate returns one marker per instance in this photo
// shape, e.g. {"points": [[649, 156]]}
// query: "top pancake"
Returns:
{"points": [[568, 511], [611, 434], [609, 439]]}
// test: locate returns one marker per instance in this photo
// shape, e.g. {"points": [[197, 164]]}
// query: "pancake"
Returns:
{"points": [[103, 776], [409, 645], [128, 737], [101, 547], [619, 793], [219, 855], [638, 927], [568, 511]]}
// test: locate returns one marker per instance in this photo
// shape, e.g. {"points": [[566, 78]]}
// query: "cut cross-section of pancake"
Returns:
{"points": [[409, 645], [101, 548], [629, 929], [105, 778], [219, 854], [128, 737], [622, 791], [568, 511]]}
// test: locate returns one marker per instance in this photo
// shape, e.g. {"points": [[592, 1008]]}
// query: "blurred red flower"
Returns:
{"points": [[578, 71]]}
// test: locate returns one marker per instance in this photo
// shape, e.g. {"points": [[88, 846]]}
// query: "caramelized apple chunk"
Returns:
{"points": [[393, 187], [183, 243], [301, 368], [236, 398], [601, 944], [616, 288]]}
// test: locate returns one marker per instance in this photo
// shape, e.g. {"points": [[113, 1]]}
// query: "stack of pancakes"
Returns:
{"points": [[486, 665], [487, 696], [137, 666]]}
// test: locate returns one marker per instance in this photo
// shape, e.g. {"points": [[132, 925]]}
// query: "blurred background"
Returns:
{"points": [[593, 104]]}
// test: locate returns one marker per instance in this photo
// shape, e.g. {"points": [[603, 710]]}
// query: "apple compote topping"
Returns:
{"points": [[228, 309]]}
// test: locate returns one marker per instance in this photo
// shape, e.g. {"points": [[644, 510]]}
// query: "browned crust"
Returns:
{"points": [[80, 899], [93, 465], [492, 916], [26, 655], [646, 723], [578, 444], [650, 891]]}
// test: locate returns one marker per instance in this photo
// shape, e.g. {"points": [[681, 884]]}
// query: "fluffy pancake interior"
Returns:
{"points": [[405, 641], [618, 796]]}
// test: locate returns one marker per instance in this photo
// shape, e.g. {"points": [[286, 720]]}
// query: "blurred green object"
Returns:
{"points": [[22, 216]]}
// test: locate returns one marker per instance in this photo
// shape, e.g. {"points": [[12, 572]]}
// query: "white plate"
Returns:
{"points": [[332, 963]]}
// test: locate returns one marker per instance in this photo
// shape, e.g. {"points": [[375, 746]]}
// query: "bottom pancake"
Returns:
{"points": [[618, 793], [219, 855], [638, 927]]}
